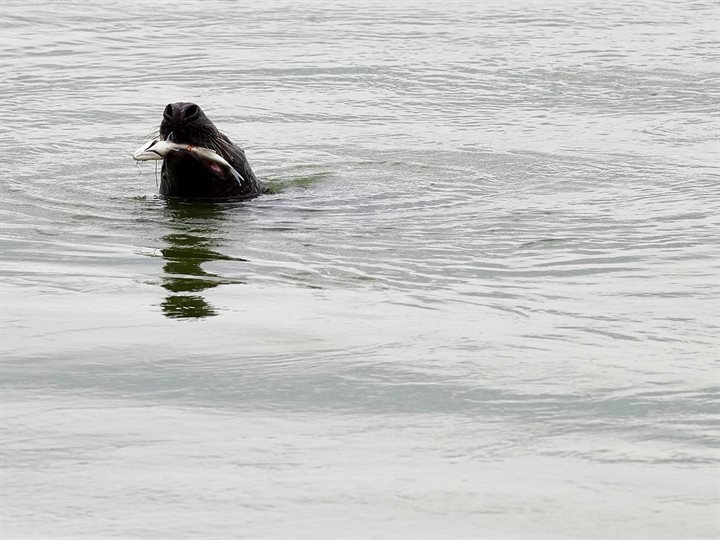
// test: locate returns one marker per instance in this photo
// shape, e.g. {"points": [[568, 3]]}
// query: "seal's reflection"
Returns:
{"points": [[194, 241]]}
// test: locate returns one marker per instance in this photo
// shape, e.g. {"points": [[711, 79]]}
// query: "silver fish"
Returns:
{"points": [[158, 149]]}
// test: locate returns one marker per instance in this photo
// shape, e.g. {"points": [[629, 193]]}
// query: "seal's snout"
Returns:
{"points": [[181, 113], [185, 122]]}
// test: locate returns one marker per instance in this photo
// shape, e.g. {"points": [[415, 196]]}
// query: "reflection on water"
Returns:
{"points": [[196, 238]]}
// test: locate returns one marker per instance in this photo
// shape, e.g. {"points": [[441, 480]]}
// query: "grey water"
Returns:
{"points": [[482, 299]]}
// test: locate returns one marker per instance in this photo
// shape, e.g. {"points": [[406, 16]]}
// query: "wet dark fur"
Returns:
{"points": [[186, 176]]}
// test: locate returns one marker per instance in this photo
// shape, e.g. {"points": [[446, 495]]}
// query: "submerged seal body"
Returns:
{"points": [[191, 167]]}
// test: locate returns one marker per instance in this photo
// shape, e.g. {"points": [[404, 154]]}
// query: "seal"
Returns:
{"points": [[199, 162]]}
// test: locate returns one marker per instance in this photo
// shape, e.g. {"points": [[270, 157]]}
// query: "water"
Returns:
{"points": [[481, 302]]}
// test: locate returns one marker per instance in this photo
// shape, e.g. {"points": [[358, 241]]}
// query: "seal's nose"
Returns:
{"points": [[168, 112], [191, 112], [179, 113]]}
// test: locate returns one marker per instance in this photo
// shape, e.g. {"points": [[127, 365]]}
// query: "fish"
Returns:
{"points": [[157, 149]]}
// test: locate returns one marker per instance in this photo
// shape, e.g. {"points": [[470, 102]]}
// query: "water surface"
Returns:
{"points": [[481, 301]]}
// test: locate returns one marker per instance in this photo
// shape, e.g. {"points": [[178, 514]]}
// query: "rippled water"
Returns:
{"points": [[482, 300]]}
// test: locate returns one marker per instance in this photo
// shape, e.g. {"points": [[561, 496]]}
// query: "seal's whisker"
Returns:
{"points": [[209, 140], [154, 134]]}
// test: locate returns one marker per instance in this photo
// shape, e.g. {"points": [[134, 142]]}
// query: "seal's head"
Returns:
{"points": [[191, 174]]}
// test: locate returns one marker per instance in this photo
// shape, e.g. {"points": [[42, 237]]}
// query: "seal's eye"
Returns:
{"points": [[191, 112], [168, 112]]}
